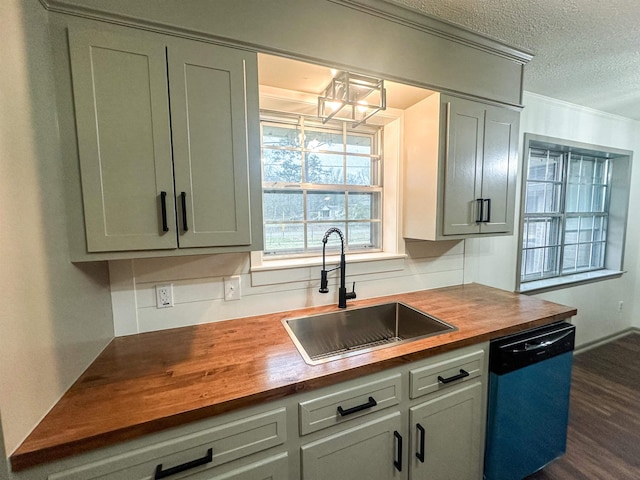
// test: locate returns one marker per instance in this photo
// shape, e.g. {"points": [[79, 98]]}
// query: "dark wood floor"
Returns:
{"points": [[604, 419]]}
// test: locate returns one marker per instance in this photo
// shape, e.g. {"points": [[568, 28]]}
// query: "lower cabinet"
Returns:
{"points": [[432, 430], [371, 450], [417, 421], [271, 468], [446, 436]]}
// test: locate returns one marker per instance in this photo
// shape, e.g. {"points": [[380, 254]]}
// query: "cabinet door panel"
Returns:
{"points": [[366, 451], [463, 160], [453, 436], [208, 118], [122, 119], [499, 167]]}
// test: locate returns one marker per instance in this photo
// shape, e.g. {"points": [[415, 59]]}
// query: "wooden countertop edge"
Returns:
{"points": [[23, 458]]}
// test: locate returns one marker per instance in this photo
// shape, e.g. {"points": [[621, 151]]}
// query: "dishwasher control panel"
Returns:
{"points": [[531, 346]]}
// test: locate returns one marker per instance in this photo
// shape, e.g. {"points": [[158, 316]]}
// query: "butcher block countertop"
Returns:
{"points": [[153, 381]]}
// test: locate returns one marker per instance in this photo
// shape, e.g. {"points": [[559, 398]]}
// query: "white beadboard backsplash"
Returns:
{"points": [[198, 285]]}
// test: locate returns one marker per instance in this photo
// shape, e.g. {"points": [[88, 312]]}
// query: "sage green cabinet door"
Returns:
{"points": [[499, 167], [124, 139], [271, 468], [453, 431], [208, 91], [365, 451], [463, 164]]}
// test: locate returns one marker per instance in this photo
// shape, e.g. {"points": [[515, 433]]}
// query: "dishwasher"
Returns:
{"points": [[528, 404]]}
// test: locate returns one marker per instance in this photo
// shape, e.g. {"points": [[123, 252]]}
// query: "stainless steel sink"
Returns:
{"points": [[329, 336]]}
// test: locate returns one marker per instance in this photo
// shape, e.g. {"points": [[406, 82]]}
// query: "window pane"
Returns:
{"points": [[598, 255], [541, 232], [599, 196], [316, 231], [571, 230], [569, 258], [601, 173], [359, 144], [326, 206], [583, 259], [323, 141], [361, 234], [284, 238], [546, 168], [586, 229], [600, 229], [280, 136], [281, 166], [542, 197], [359, 170], [540, 263], [585, 197], [278, 206], [364, 206], [324, 168]]}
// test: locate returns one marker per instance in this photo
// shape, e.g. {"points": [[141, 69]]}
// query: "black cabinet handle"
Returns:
{"points": [[163, 207], [398, 462], [183, 200], [488, 219], [160, 473], [358, 408], [462, 374], [480, 208], [420, 452]]}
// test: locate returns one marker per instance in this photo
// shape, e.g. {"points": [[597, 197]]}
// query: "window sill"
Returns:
{"points": [[307, 269], [548, 284]]}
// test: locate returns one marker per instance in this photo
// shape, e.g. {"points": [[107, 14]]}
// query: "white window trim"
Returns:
{"points": [[618, 213]]}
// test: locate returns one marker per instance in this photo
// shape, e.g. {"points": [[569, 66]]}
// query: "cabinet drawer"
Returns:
{"points": [[424, 380], [323, 412], [228, 441]]}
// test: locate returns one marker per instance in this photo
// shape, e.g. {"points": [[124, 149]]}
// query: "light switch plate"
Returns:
{"points": [[232, 288]]}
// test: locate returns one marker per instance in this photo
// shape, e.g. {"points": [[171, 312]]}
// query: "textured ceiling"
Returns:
{"points": [[586, 51]]}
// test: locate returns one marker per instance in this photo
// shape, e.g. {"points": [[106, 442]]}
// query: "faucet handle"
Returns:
{"points": [[352, 294], [323, 282]]}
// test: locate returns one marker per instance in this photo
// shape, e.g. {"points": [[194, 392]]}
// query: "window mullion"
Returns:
{"points": [[566, 161]]}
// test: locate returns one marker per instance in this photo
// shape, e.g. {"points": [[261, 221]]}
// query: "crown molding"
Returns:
{"points": [[380, 8]]}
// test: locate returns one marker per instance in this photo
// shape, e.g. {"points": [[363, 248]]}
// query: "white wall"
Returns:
{"points": [[198, 285], [493, 261], [55, 317]]}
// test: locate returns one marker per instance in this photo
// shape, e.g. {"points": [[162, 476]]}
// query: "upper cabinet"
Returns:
{"points": [[460, 169], [167, 134]]}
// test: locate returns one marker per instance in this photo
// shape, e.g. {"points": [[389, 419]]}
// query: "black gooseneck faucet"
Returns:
{"points": [[343, 295]]}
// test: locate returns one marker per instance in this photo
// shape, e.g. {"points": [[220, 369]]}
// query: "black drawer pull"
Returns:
{"points": [[398, 462], [160, 473], [185, 224], [462, 374], [163, 207], [420, 452], [358, 408]]}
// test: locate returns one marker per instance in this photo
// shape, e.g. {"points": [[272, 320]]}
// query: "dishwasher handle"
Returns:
{"points": [[540, 344], [531, 346]]}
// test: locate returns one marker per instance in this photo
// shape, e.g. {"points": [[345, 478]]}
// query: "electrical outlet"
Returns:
{"points": [[232, 288], [164, 295]]}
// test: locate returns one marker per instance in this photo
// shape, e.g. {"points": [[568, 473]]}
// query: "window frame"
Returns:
{"points": [[616, 201], [304, 122]]}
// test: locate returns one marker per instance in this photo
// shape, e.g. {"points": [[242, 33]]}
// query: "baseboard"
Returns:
{"points": [[605, 340]]}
